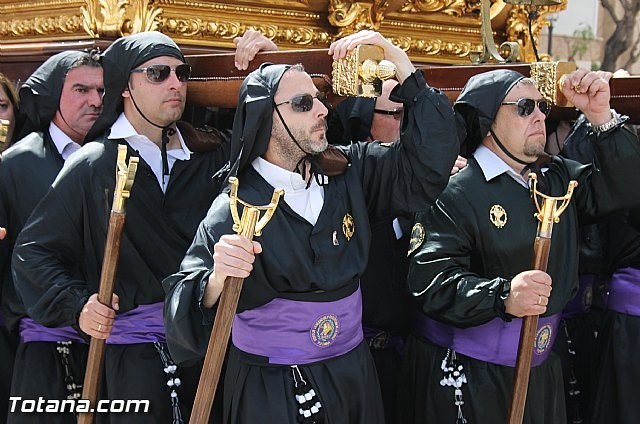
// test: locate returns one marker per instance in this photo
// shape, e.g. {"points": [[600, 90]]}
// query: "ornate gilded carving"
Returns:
{"points": [[350, 16], [38, 26], [448, 7], [547, 76], [114, 18]]}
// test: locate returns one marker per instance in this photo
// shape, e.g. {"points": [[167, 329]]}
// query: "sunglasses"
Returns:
{"points": [[396, 113], [525, 107], [159, 73], [303, 102]]}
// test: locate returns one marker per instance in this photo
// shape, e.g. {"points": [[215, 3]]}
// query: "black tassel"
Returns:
{"points": [[310, 410], [173, 381]]}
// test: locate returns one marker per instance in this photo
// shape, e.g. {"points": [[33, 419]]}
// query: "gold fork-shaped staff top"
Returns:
{"points": [[548, 209], [250, 211], [125, 174]]}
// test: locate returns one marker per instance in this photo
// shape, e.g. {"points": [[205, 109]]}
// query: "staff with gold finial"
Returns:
{"points": [[249, 225], [125, 175], [549, 211]]}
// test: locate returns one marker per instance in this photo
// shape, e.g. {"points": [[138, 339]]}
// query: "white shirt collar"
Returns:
{"points": [[305, 202], [64, 144], [150, 151], [492, 165]]}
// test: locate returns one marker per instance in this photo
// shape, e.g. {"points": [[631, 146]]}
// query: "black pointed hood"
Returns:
{"points": [[356, 116], [478, 103], [254, 116], [118, 60]]}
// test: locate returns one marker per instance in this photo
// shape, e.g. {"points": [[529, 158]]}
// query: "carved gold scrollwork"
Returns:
{"points": [[350, 16], [448, 7], [41, 26]]}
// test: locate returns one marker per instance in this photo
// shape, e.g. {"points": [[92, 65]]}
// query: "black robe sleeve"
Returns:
{"points": [[405, 177]]}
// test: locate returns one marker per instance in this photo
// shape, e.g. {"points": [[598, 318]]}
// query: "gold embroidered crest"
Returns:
{"points": [[417, 237], [348, 226], [498, 216]]}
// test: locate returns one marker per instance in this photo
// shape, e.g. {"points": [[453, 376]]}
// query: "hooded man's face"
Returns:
{"points": [[161, 102], [309, 128], [523, 136], [80, 101]]}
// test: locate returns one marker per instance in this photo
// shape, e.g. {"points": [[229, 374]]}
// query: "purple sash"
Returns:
{"points": [[583, 300], [624, 291], [495, 341], [143, 324], [31, 331], [295, 332]]}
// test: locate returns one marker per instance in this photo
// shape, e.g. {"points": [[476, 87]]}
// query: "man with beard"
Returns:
{"points": [[58, 256], [470, 270], [297, 330], [60, 101]]}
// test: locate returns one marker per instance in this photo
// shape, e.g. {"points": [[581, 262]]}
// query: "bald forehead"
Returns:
{"points": [[294, 83]]}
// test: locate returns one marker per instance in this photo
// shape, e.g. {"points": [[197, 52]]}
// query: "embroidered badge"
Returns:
{"points": [[543, 339], [325, 330], [348, 226], [498, 216], [417, 237]]}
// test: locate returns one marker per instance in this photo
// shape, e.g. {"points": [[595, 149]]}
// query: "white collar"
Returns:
{"points": [[61, 140], [492, 165]]}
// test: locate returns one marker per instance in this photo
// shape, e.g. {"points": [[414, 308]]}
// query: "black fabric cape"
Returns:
{"points": [[300, 261], [456, 274]]}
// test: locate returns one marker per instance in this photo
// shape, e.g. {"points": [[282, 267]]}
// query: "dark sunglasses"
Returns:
{"points": [[159, 73], [303, 102], [525, 107], [396, 113]]}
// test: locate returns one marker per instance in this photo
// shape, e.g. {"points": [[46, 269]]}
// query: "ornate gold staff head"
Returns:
{"points": [[125, 174], [548, 210], [361, 72], [4, 131], [248, 226]]}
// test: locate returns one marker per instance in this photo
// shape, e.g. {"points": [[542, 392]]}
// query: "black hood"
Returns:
{"points": [[254, 116], [478, 104], [40, 94], [118, 60]]}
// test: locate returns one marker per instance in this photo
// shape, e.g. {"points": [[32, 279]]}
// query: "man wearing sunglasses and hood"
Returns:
{"points": [[297, 352], [58, 255], [60, 102], [470, 268]]}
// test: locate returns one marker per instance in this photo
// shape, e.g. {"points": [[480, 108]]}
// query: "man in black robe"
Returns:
{"points": [[470, 270], [61, 100], [58, 256], [298, 327]]}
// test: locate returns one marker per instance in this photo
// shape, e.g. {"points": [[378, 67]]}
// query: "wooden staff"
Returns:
{"points": [[548, 213], [124, 180], [248, 226]]}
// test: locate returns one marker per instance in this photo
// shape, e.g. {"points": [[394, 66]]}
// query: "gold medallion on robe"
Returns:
{"points": [[348, 226], [498, 216], [417, 237]]}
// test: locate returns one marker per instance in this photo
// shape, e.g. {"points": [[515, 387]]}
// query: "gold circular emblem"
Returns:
{"points": [[417, 237], [543, 339], [348, 226], [498, 216]]}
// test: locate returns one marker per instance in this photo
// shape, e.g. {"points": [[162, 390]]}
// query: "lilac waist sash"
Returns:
{"points": [[624, 291], [143, 324], [495, 341], [296, 332], [583, 300], [31, 331]]}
